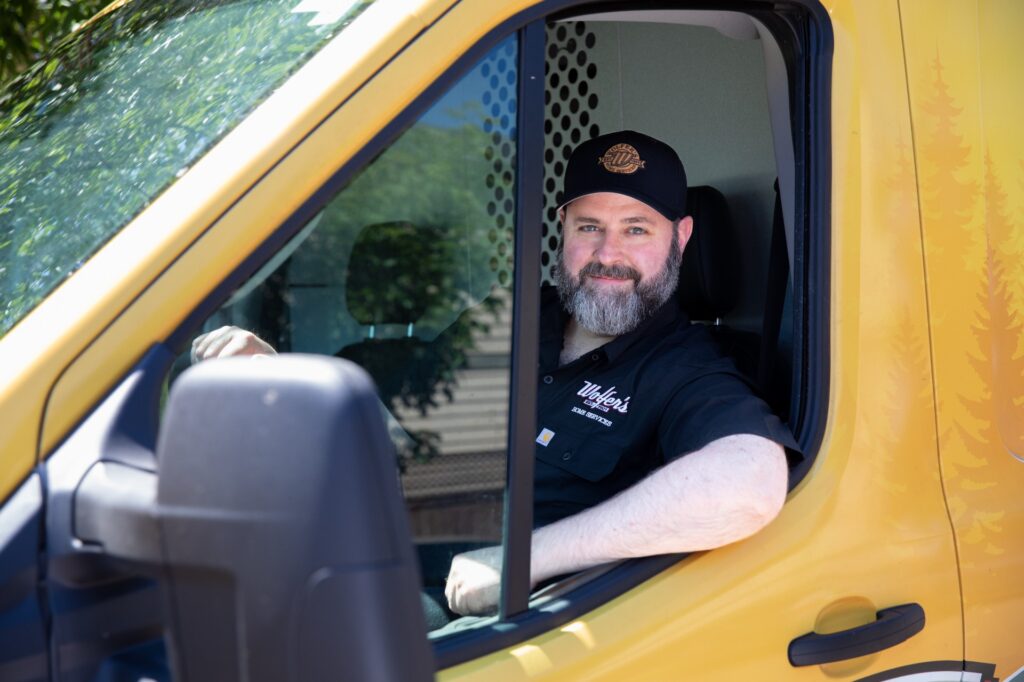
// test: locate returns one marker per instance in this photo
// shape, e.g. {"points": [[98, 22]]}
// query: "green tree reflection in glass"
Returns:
{"points": [[119, 110]]}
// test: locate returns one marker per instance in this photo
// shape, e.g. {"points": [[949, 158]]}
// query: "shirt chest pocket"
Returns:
{"points": [[590, 456]]}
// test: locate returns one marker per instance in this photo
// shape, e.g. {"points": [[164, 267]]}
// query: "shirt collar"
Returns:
{"points": [[553, 319], [669, 315]]}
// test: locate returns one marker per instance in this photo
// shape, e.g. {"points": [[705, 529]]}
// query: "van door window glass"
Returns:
{"points": [[408, 273], [91, 135]]}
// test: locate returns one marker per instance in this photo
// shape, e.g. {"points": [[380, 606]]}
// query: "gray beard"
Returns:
{"points": [[614, 313]]}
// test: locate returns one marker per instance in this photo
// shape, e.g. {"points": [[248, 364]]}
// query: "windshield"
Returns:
{"points": [[92, 134]]}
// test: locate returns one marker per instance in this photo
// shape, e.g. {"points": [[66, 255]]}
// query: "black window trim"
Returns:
{"points": [[518, 517], [804, 33]]}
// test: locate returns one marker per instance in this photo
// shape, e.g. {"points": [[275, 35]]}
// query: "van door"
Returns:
{"points": [[963, 64], [866, 529]]}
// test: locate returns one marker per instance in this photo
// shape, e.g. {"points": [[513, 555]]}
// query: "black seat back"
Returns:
{"points": [[397, 273], [710, 278], [709, 281]]}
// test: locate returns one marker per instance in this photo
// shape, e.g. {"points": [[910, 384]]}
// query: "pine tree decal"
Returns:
{"points": [[1006, 322], [948, 201], [963, 338], [905, 379]]}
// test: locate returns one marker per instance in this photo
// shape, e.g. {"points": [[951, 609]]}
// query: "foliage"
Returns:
{"points": [[412, 240], [117, 112], [30, 28]]}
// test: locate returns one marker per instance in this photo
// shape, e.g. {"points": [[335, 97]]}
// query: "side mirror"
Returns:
{"points": [[283, 544]]}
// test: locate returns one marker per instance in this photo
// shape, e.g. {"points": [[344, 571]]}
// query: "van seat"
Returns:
{"points": [[709, 284]]}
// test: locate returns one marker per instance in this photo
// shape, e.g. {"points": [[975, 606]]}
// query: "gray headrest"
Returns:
{"points": [[396, 272]]}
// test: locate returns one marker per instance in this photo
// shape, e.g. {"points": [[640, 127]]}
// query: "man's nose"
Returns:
{"points": [[610, 250]]}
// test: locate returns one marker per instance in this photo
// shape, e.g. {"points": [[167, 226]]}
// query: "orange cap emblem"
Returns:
{"points": [[622, 158]]}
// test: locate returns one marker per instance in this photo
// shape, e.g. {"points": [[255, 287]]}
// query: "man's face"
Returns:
{"points": [[618, 262]]}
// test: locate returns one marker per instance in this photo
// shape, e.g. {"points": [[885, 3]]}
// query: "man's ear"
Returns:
{"points": [[684, 230]]}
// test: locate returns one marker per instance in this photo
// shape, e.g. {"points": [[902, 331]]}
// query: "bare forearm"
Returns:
{"points": [[720, 494]]}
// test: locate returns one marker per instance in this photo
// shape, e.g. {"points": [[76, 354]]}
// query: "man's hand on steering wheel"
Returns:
{"points": [[228, 341], [474, 582]]}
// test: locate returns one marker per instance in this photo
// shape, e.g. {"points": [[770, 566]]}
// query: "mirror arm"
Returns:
{"points": [[115, 508]]}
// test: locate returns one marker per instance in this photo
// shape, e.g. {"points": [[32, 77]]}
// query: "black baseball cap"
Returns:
{"points": [[630, 163]]}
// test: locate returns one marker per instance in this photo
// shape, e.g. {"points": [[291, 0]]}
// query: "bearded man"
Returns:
{"points": [[650, 441]]}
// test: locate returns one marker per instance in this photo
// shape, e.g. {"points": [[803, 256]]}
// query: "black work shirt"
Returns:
{"points": [[612, 416]]}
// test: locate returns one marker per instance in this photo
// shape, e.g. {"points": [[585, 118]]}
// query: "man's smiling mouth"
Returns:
{"points": [[606, 278], [610, 273]]}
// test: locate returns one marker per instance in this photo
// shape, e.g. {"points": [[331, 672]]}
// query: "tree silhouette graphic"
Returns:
{"points": [[1006, 324], [947, 200], [904, 381], [909, 380], [970, 460], [902, 209], [963, 327]]}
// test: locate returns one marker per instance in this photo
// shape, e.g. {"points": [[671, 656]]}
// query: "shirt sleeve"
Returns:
{"points": [[714, 404]]}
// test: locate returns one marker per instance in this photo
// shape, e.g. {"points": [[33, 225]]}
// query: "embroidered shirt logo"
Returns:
{"points": [[622, 158], [600, 398]]}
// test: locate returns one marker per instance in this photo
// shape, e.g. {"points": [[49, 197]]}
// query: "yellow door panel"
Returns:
{"points": [[867, 529], [730, 614], [964, 61]]}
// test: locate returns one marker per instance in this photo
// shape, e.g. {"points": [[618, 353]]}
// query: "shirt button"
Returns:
{"points": [[566, 456], [548, 379], [595, 357]]}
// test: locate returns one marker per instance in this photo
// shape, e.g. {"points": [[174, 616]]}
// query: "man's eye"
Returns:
{"points": [[589, 228], [637, 230]]}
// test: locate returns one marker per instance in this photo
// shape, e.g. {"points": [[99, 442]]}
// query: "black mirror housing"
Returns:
{"points": [[287, 553]]}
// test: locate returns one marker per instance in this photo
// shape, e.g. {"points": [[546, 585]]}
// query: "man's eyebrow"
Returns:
{"points": [[636, 219], [586, 219]]}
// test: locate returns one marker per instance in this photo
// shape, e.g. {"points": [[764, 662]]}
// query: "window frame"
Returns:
{"points": [[517, 519], [803, 32]]}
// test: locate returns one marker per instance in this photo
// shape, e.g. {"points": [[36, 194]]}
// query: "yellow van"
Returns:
{"points": [[377, 180]]}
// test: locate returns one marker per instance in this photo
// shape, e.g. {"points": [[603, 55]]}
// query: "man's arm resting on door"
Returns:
{"points": [[724, 492]]}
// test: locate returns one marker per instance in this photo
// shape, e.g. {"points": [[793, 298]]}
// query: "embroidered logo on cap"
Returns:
{"points": [[622, 158]]}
